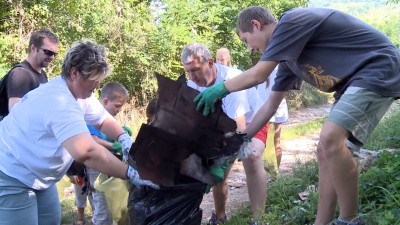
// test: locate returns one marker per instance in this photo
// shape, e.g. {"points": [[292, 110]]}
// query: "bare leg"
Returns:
{"points": [[327, 194], [341, 168], [81, 214], [256, 178], [277, 142], [220, 194]]}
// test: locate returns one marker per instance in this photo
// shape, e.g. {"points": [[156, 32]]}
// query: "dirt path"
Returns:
{"points": [[301, 149]]}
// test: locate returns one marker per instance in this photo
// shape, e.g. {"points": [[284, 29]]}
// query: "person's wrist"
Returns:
{"points": [[224, 89], [122, 136]]}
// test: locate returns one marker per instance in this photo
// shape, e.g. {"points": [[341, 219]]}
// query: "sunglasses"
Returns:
{"points": [[49, 53]]}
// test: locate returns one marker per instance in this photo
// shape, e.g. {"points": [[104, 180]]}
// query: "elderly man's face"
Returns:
{"points": [[200, 73]]}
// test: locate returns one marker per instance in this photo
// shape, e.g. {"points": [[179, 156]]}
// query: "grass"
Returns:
{"points": [[379, 186], [299, 130], [386, 135], [68, 209]]}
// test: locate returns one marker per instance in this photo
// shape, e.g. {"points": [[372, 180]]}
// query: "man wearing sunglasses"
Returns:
{"points": [[42, 51]]}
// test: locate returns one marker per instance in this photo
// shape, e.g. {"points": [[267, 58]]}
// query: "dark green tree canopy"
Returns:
{"points": [[142, 37]]}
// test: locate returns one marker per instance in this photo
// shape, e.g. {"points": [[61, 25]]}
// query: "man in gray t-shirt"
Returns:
{"points": [[334, 52]]}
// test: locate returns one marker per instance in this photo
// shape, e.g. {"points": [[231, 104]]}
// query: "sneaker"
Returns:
{"points": [[357, 221], [215, 221]]}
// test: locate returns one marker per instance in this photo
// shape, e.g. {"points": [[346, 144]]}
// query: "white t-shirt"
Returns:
{"points": [[235, 104], [31, 136], [281, 115]]}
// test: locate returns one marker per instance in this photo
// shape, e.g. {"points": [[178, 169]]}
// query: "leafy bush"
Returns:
{"points": [[307, 96], [2, 72]]}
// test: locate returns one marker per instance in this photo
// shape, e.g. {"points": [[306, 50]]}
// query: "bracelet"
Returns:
{"points": [[122, 134]]}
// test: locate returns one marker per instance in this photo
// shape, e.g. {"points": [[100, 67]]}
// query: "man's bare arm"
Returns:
{"points": [[251, 77], [265, 113]]}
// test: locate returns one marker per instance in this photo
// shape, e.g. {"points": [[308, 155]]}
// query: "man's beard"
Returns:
{"points": [[44, 64]]}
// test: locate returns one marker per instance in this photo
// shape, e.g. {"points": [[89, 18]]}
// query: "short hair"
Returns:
{"points": [[38, 36], [261, 14], [86, 57], [195, 51], [114, 90], [227, 53]]}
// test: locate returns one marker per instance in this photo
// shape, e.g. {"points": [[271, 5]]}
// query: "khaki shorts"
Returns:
{"points": [[359, 110]]}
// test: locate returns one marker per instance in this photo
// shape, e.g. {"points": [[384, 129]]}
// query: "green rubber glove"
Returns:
{"points": [[218, 172], [127, 130], [116, 147], [208, 97]]}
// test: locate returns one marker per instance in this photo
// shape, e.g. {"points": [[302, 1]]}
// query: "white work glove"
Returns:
{"points": [[245, 150], [135, 179], [239, 145], [126, 143]]}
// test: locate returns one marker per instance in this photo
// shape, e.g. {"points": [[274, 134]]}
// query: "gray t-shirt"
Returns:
{"points": [[22, 81], [332, 50]]}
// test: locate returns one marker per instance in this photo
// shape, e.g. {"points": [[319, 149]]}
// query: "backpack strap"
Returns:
{"points": [[3, 87], [27, 68]]}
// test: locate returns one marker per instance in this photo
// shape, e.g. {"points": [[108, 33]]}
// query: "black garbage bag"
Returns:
{"points": [[178, 204], [178, 133]]}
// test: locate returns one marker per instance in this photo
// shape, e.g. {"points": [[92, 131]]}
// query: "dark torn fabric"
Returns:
{"points": [[178, 131]]}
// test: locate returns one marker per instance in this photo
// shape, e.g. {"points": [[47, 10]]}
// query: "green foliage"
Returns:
{"points": [[308, 96], [386, 135], [69, 212], [283, 204], [144, 37], [381, 14], [380, 190], [3, 72], [385, 19], [122, 26]]}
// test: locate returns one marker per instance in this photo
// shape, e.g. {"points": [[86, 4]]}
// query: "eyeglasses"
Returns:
{"points": [[49, 53]]}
